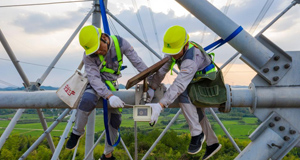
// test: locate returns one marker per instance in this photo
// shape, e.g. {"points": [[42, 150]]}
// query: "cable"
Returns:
{"points": [[37, 64], [112, 24], [226, 8], [38, 4], [142, 26], [155, 32], [8, 84], [154, 26], [204, 28], [261, 15]]}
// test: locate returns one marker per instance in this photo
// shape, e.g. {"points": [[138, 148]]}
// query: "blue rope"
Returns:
{"points": [[105, 108], [220, 42], [105, 113], [104, 18]]}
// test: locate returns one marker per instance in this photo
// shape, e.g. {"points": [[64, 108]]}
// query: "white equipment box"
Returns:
{"points": [[141, 113]]}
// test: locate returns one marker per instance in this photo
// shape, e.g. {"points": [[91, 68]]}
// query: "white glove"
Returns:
{"points": [[156, 109], [150, 95], [116, 102]]}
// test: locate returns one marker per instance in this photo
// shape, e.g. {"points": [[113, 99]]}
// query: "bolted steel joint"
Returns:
{"points": [[286, 138], [281, 128]]}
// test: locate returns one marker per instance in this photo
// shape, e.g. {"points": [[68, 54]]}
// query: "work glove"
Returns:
{"points": [[156, 109], [116, 102], [150, 95]]}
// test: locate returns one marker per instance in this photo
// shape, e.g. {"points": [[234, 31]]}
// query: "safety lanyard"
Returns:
{"points": [[105, 112]]}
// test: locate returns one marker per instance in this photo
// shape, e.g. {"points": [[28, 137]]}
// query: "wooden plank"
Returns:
{"points": [[146, 73]]}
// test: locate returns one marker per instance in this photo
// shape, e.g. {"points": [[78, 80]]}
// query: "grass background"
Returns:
{"points": [[235, 128]]}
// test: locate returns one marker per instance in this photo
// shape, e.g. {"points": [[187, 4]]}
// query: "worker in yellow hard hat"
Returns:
{"points": [[103, 58], [190, 60]]}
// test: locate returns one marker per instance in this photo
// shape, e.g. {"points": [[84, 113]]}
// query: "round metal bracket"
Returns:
{"points": [[254, 96], [228, 102]]}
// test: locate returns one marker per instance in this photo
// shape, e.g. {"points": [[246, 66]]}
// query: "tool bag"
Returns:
{"points": [[71, 91], [207, 90]]}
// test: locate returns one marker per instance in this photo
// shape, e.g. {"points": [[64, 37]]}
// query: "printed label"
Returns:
{"points": [[68, 90]]}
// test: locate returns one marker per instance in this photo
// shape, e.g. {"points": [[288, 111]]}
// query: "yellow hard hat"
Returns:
{"points": [[174, 40], [89, 39]]}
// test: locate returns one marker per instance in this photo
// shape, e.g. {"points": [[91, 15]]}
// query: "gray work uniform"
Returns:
{"points": [[192, 61], [97, 88]]}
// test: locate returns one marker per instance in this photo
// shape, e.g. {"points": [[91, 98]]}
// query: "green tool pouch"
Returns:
{"points": [[207, 90]]}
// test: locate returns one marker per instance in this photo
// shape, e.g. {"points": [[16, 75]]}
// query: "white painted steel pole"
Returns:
{"points": [[224, 26], [90, 126], [42, 137], [135, 141], [123, 144], [224, 129], [162, 134], [61, 52], [45, 127], [10, 127], [94, 146], [49, 99], [89, 136], [19, 112], [64, 136], [14, 59]]}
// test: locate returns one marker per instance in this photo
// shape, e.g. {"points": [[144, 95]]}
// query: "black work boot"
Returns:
{"points": [[211, 150], [196, 144], [103, 157], [72, 142]]}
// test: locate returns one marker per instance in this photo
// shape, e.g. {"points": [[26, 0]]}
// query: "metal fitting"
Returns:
{"points": [[271, 124], [276, 68], [286, 138], [276, 58], [292, 131], [286, 66], [266, 70], [277, 118], [275, 78], [281, 128], [273, 144]]}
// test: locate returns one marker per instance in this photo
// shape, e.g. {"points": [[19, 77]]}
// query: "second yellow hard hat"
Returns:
{"points": [[174, 40]]}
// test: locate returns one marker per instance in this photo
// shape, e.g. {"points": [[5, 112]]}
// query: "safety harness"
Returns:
{"points": [[109, 70]]}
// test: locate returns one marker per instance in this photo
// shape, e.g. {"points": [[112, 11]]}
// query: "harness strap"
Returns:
{"points": [[119, 57]]}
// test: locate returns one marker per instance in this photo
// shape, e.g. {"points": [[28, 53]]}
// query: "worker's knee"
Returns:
{"points": [[115, 120], [88, 102]]}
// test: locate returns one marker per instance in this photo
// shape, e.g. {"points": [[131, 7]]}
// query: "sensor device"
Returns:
{"points": [[141, 113]]}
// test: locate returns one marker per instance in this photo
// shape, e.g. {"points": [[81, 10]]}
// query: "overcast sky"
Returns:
{"points": [[37, 33]]}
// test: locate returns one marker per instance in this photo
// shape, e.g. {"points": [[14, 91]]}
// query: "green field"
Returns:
{"points": [[235, 128]]}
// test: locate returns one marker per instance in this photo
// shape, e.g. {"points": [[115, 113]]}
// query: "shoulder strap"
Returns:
{"points": [[211, 56], [118, 51]]}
